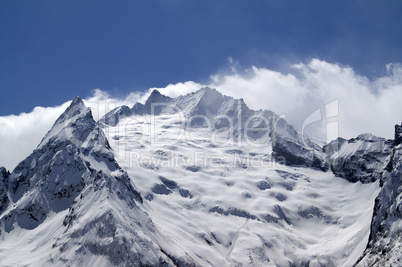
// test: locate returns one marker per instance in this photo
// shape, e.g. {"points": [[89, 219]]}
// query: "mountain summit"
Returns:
{"points": [[73, 125]]}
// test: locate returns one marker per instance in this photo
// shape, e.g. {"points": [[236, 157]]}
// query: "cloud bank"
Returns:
{"points": [[19, 135], [362, 105], [317, 90]]}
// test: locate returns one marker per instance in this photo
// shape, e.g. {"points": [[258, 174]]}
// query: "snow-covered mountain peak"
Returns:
{"points": [[76, 107], [157, 97], [205, 101], [74, 124], [206, 93]]}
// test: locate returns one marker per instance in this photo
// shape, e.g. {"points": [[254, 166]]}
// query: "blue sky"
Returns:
{"points": [[51, 51]]}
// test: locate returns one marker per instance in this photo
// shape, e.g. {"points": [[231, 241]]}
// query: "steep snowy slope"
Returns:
{"points": [[227, 198], [71, 204]]}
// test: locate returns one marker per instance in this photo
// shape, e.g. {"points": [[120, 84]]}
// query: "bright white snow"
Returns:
{"points": [[230, 204]]}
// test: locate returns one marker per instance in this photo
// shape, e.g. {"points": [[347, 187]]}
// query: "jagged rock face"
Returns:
{"points": [[398, 134], [155, 105], [290, 153], [385, 242], [55, 173], [363, 158], [3, 189], [74, 125], [48, 180]]}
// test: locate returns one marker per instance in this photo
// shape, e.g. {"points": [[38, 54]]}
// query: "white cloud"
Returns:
{"points": [[19, 135], [175, 90], [263, 88], [364, 105]]}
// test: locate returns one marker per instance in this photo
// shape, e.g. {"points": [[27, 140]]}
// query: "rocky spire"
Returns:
{"points": [[398, 134], [74, 124]]}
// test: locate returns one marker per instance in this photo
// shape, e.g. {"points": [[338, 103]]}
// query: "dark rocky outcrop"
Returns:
{"points": [[4, 174], [384, 246], [363, 158], [398, 134]]}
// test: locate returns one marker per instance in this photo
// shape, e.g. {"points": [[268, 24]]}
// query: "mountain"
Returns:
{"points": [[75, 203], [200, 180]]}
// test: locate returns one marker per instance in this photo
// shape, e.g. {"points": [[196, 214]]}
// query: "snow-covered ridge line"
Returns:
{"points": [[230, 118], [226, 117]]}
